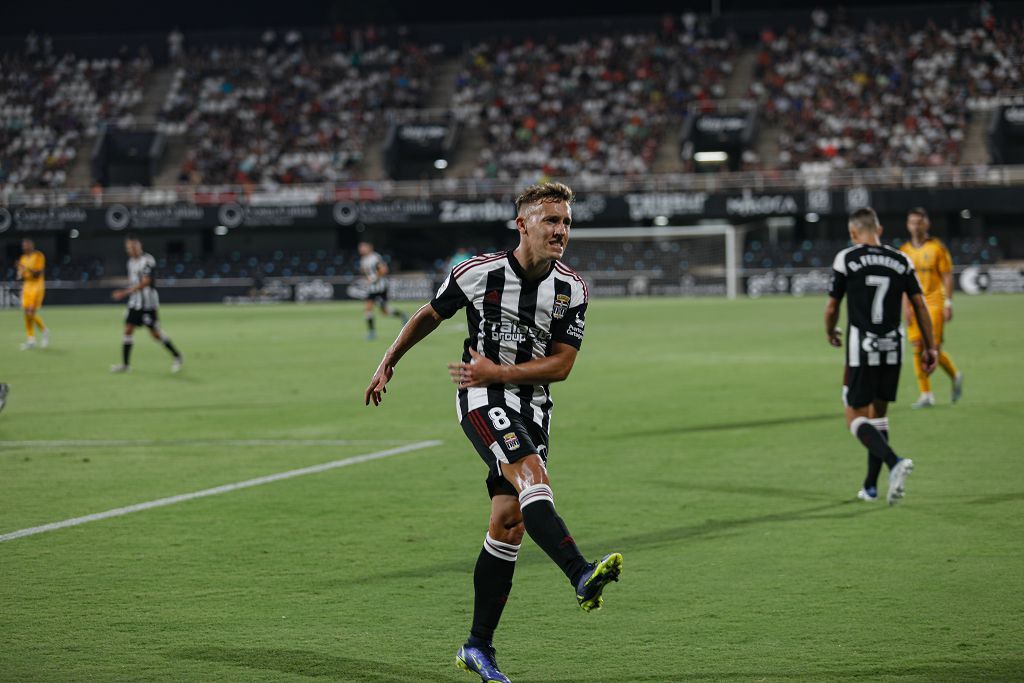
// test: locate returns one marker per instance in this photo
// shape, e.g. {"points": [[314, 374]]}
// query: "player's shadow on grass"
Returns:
{"points": [[309, 663], [713, 528], [728, 426], [708, 529], [997, 498]]}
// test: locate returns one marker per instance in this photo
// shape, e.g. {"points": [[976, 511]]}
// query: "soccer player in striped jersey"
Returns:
{"points": [[526, 313], [874, 279], [143, 304], [375, 272]]}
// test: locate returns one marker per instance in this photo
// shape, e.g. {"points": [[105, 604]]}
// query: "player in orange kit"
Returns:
{"points": [[32, 271], [934, 267]]}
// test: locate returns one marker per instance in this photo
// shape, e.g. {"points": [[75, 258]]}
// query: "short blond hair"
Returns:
{"points": [[544, 192], [865, 219]]}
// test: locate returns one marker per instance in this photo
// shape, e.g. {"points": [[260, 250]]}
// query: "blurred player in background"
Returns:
{"points": [[32, 271], [934, 267], [875, 279], [525, 312], [143, 303], [4, 389], [375, 272]]}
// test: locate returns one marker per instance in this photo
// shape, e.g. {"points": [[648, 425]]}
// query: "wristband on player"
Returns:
{"points": [[948, 303]]}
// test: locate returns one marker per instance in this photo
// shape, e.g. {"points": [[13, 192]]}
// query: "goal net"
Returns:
{"points": [[657, 261]]}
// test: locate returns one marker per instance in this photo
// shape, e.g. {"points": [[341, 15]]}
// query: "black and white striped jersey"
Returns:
{"points": [[874, 280], [369, 265], [513, 320], [145, 299]]}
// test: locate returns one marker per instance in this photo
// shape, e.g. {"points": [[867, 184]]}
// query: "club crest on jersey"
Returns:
{"points": [[511, 441], [561, 306]]}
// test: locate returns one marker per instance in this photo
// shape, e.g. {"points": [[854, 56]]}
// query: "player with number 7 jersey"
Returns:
{"points": [[874, 279], [525, 313]]}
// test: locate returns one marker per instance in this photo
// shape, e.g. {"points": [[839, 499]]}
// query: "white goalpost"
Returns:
{"points": [[670, 260]]}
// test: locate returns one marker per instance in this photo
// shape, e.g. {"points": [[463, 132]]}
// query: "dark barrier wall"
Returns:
{"points": [[412, 150], [590, 208], [1006, 135]]}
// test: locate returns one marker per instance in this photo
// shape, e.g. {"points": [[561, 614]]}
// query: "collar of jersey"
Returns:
{"points": [[518, 269]]}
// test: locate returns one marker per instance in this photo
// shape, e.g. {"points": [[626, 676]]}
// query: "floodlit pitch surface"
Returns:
{"points": [[700, 438]]}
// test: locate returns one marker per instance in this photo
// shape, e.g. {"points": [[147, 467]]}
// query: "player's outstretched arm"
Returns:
{"points": [[833, 333], [422, 323], [480, 371], [929, 354]]}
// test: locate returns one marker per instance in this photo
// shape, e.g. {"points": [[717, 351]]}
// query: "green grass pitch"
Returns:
{"points": [[703, 439]]}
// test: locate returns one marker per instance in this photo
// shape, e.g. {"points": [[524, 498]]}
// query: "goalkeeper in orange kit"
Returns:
{"points": [[934, 267], [32, 272]]}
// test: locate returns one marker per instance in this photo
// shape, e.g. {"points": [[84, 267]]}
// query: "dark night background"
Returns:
{"points": [[57, 18]]}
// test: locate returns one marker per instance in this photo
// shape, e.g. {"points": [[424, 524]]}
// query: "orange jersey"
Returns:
{"points": [[931, 261], [32, 262]]}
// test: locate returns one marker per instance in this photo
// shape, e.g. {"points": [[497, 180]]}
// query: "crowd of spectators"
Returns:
{"points": [[294, 112], [885, 94], [300, 109], [49, 103], [596, 106]]}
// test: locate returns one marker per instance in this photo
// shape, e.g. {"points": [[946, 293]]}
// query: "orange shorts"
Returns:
{"points": [[914, 332], [32, 296]]}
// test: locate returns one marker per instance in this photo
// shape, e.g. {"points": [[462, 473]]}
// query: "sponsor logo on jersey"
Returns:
{"points": [[873, 342], [576, 328], [561, 306], [511, 441], [508, 330]]}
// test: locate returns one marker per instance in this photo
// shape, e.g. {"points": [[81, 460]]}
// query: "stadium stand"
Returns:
{"points": [[48, 104], [619, 91], [304, 108], [885, 94], [300, 112]]}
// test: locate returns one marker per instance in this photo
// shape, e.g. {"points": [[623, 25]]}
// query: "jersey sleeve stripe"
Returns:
{"points": [[566, 270], [483, 259]]}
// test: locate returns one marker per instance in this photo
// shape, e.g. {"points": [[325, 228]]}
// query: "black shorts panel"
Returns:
{"points": [[140, 317], [502, 435], [868, 383], [378, 295]]}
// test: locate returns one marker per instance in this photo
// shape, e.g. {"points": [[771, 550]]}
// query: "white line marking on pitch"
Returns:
{"points": [[108, 443], [226, 488]]}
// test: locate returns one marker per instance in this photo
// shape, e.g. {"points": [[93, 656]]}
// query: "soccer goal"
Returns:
{"points": [[669, 260]]}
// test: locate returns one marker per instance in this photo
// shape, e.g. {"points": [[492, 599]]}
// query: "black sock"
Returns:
{"points": [[170, 347], [126, 350], [874, 464], [548, 531], [397, 314], [369, 322], [869, 435], [492, 582]]}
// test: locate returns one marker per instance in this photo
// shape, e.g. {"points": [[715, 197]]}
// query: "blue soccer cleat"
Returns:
{"points": [[868, 493], [593, 581], [480, 661]]}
